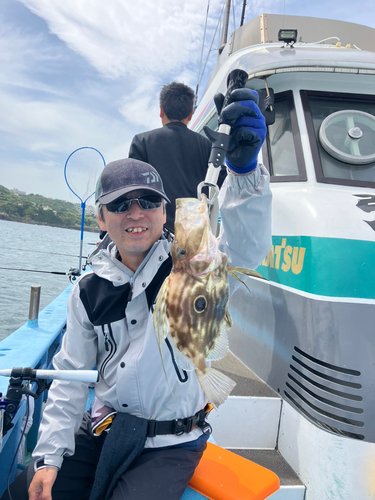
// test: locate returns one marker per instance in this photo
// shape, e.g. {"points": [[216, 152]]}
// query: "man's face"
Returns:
{"points": [[134, 232]]}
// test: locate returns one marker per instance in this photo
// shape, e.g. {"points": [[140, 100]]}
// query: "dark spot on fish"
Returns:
{"points": [[200, 304]]}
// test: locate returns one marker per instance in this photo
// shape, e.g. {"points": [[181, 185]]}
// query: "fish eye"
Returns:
{"points": [[181, 252], [200, 304]]}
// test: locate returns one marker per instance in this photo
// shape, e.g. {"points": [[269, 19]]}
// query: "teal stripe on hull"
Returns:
{"points": [[332, 267]]}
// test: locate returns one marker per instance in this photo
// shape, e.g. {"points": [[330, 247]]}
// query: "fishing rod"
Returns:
{"points": [[55, 253], [17, 387], [71, 272], [88, 376]]}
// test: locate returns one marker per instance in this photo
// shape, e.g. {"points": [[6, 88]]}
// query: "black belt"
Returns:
{"points": [[179, 425]]}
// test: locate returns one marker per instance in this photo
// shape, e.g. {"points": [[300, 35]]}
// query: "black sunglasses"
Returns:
{"points": [[146, 202]]}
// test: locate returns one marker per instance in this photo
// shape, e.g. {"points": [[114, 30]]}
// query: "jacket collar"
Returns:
{"points": [[106, 265]]}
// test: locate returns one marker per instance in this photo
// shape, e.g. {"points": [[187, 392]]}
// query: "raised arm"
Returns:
{"points": [[245, 199]]}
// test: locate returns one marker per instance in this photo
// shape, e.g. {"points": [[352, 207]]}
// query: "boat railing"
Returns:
{"points": [[29, 346]]}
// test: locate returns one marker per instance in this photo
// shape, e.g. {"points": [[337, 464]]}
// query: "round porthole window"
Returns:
{"points": [[349, 136]]}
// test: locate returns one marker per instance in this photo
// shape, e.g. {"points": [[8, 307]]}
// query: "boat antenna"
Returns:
{"points": [[225, 26], [81, 171], [234, 18], [200, 75], [243, 12], [200, 62]]}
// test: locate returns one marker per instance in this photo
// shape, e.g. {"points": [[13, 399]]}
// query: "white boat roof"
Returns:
{"points": [[346, 42], [265, 29], [322, 45], [271, 57]]}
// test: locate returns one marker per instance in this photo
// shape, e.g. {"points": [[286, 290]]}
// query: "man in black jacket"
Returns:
{"points": [[178, 154]]}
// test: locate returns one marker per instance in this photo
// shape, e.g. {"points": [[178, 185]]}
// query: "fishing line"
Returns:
{"points": [[210, 49], [200, 62], [66, 242], [33, 270], [18, 447], [54, 253]]}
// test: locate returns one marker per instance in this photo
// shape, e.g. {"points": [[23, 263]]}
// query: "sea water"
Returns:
{"points": [[38, 248]]}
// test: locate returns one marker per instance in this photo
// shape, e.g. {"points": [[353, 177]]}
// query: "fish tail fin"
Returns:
{"points": [[215, 385]]}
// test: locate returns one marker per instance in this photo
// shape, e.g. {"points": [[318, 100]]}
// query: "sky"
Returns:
{"points": [[87, 73]]}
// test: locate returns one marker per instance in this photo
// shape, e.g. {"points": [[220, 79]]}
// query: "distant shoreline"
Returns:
{"points": [[35, 223]]}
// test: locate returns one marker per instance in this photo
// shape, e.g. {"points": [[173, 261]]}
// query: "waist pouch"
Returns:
{"points": [[178, 426]]}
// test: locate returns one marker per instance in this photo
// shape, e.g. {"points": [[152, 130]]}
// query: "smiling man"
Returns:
{"points": [[134, 226], [146, 429]]}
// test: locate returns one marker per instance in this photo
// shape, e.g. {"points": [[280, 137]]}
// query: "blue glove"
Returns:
{"points": [[248, 129]]}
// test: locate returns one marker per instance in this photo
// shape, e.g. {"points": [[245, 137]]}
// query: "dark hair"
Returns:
{"points": [[177, 100]]}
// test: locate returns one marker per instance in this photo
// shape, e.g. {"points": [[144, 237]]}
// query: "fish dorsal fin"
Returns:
{"points": [[243, 270], [221, 346], [161, 325], [153, 288], [181, 360], [247, 272]]}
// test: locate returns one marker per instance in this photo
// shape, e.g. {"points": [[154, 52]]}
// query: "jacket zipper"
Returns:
{"points": [[130, 294], [110, 346]]}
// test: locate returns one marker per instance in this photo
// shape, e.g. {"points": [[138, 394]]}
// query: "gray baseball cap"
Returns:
{"points": [[122, 176]]}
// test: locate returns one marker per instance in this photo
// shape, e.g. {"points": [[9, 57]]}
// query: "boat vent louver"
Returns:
{"points": [[328, 395]]}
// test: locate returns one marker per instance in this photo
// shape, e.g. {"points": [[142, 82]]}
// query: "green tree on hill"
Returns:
{"points": [[35, 208]]}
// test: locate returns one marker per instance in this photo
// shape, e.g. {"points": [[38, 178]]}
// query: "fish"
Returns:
{"points": [[192, 304]]}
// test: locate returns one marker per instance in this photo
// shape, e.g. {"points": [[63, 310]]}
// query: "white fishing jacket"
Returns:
{"points": [[110, 326]]}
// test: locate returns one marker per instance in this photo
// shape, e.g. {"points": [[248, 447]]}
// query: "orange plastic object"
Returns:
{"points": [[223, 475]]}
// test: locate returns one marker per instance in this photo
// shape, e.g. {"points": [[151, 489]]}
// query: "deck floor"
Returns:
{"points": [[250, 385]]}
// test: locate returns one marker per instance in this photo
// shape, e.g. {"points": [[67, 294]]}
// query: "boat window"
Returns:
{"points": [[212, 124], [282, 151], [342, 136]]}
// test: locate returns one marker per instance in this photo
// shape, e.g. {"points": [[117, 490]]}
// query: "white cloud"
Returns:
{"points": [[124, 38], [142, 46], [140, 106], [55, 126], [17, 50]]}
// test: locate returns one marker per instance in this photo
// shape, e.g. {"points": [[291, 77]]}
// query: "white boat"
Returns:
{"points": [[308, 332], [303, 343]]}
